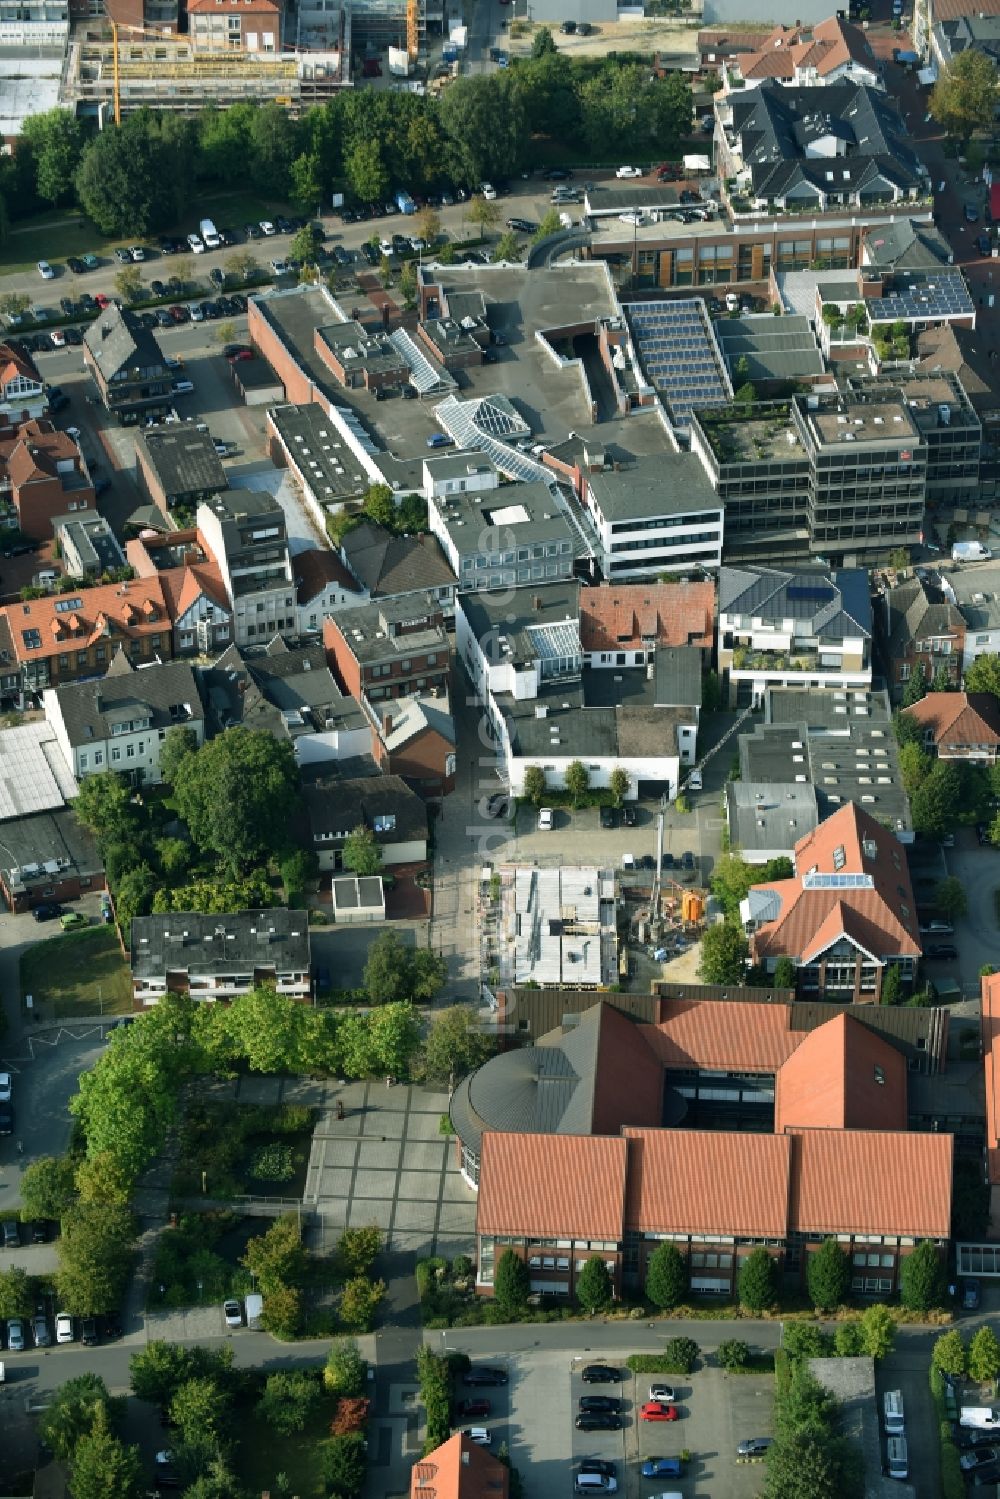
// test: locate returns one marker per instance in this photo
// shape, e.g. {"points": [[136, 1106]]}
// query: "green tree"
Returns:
{"points": [[394, 1036], [542, 42], [158, 1370], [943, 681], [241, 267], [534, 784], [878, 1329], [508, 247], [346, 1371], [914, 765], [594, 1287], [305, 244], [102, 1467], [358, 1249], [950, 897], [484, 213], [282, 1315], [666, 1277], [828, 1276], [56, 140], [906, 729], [103, 1178], [922, 1279], [733, 877], [362, 853], [199, 1408], [456, 1043], [16, 1299], [680, 1355], [307, 181], [510, 1285], [269, 1030], [290, 1397], [964, 97], [619, 784], [277, 1258], [47, 1187], [359, 1301], [343, 1465], [550, 224], [984, 1356], [125, 178], [105, 807], [366, 171], [847, 1340], [14, 303], [379, 505], [983, 675], [949, 1353], [891, 992], [804, 1340], [238, 795], [936, 805], [485, 128], [724, 954], [758, 1281], [808, 1463], [733, 1353], [785, 973], [94, 1253], [916, 687], [805, 1405], [128, 284], [387, 973], [71, 1411]]}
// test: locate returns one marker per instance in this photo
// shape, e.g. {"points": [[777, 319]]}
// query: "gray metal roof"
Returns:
{"points": [[764, 817], [183, 459], [167, 692], [387, 565], [192, 942], [833, 603], [117, 341], [34, 776], [774, 348], [669, 484], [315, 445]]}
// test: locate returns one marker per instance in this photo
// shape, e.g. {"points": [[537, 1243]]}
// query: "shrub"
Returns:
{"points": [[289, 1399], [949, 1353], [274, 1163], [733, 1353], [680, 1355], [758, 1281], [434, 1376], [666, 1277], [510, 1285]]}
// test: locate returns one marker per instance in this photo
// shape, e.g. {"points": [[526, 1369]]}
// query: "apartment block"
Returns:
{"points": [[244, 531]]}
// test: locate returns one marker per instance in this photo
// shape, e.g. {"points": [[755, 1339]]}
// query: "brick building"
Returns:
{"points": [[61, 639], [43, 475], [389, 650]]}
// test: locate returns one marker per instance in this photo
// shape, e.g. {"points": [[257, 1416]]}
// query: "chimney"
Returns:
{"points": [[387, 724]]}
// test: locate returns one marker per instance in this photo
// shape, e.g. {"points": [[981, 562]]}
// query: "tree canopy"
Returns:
{"points": [[237, 794], [965, 95], [724, 954]]}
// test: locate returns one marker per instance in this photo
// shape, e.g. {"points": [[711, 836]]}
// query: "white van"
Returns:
{"points": [[979, 1417], [896, 1459], [892, 1407], [210, 234], [596, 1483]]}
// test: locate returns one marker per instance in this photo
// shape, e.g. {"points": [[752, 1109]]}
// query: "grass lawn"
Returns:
{"points": [[234, 1145], [263, 1453], [78, 973]]}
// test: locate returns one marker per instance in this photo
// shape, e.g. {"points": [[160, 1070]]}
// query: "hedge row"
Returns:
{"points": [[952, 1478]]}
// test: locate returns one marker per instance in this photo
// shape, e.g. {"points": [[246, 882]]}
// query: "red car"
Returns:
{"points": [[655, 1410], [101, 299], [476, 1409], [179, 314]]}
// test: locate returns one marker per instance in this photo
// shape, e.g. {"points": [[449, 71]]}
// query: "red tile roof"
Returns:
{"points": [[13, 364], [619, 617], [991, 1053], [459, 1469], [870, 1181], [722, 1034], [129, 610], [552, 1186], [707, 1182], [959, 718], [182, 586], [954, 10], [842, 1076], [881, 920], [38, 450], [830, 44]]}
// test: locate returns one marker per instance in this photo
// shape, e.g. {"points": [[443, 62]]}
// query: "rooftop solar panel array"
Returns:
{"points": [[948, 296], [679, 356]]}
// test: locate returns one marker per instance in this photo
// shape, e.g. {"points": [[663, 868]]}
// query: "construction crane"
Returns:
{"points": [[413, 29]]}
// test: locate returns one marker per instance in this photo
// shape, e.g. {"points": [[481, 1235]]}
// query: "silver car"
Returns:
{"points": [[15, 1335], [40, 1332]]}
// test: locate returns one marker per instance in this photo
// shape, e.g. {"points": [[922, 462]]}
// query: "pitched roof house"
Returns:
{"points": [[845, 915], [69, 636], [459, 1469], [959, 725], [925, 630], [22, 392], [829, 52], [639, 616]]}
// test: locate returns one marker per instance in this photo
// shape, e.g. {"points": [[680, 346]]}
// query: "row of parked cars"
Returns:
{"points": [[22, 1333]]}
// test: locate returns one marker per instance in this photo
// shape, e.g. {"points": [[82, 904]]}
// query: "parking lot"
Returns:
{"points": [[535, 1414]]}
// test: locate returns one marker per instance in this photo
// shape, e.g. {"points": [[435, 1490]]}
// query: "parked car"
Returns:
{"points": [[970, 1295], [687, 860], [478, 1434], [609, 817], [941, 950], [65, 1332], [72, 921], [662, 1467], [546, 817], [624, 172], [971, 213], [983, 833], [439, 440], [88, 1332], [6, 1087], [46, 910], [599, 1465], [488, 191], [662, 1392], [600, 1374], [233, 1313], [754, 1446], [524, 226], [45, 271], [75, 265], [15, 1335], [39, 1231], [11, 1233], [476, 1410], [628, 815], [182, 387], [979, 1456], [40, 1332], [484, 1374], [656, 1410], [598, 1421], [600, 1403], [267, 228], [217, 276]]}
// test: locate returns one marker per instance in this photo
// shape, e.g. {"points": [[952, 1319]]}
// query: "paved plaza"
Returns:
{"points": [[386, 1163]]}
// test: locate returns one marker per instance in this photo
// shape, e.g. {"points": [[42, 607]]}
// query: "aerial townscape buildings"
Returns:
{"points": [[499, 742]]}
